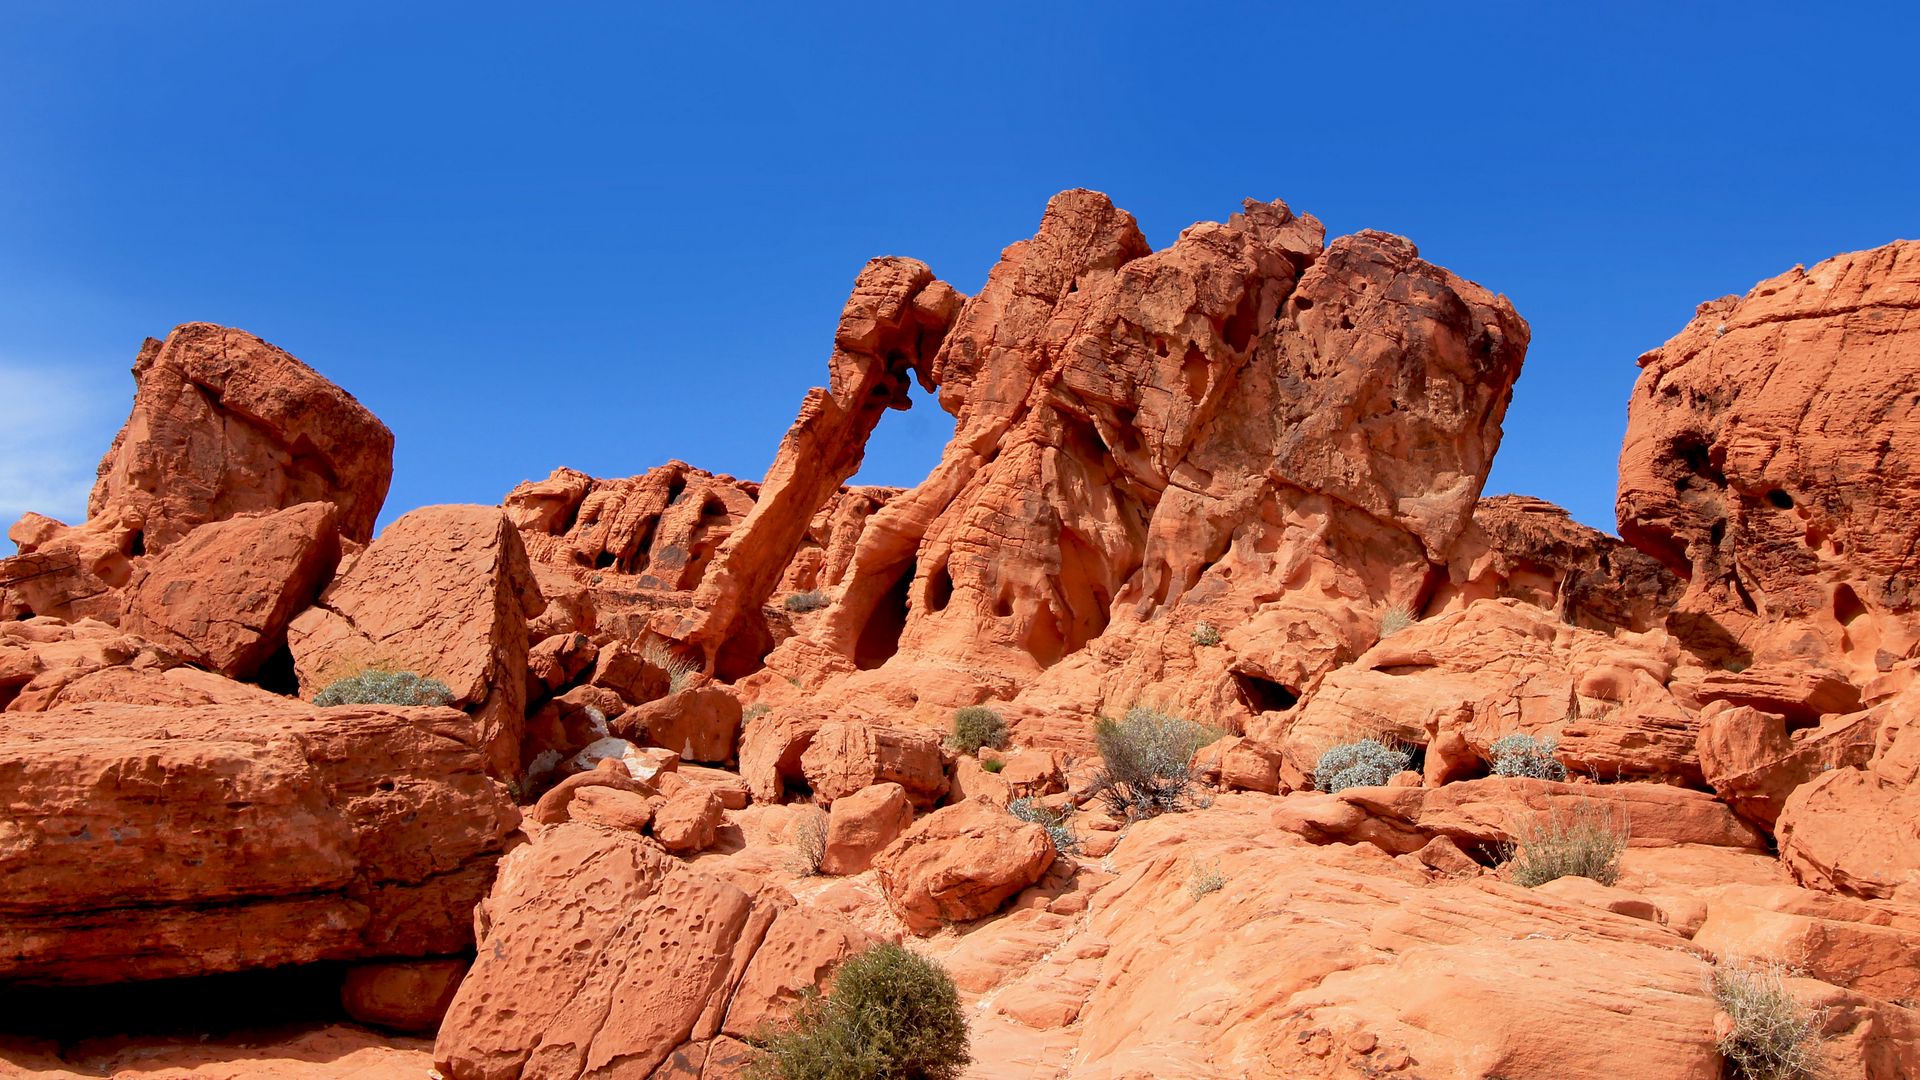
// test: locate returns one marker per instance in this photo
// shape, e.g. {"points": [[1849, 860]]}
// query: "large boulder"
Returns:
{"points": [[222, 597], [153, 842], [960, 863], [847, 756], [861, 825], [1852, 829], [662, 961], [1770, 459], [445, 592], [701, 724]]}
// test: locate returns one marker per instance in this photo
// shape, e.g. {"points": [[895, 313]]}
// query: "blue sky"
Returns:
{"points": [[608, 235]]}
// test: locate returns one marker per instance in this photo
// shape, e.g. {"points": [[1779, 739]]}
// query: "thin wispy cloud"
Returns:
{"points": [[60, 420]]}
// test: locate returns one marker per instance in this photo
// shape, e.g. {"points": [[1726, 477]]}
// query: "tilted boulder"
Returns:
{"points": [[159, 842], [445, 593], [700, 724], [847, 756], [1769, 460], [223, 596], [861, 825], [960, 863]]}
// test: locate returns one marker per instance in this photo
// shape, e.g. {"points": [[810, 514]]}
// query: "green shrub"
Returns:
{"points": [[1205, 634], [1773, 1036], [892, 1015], [976, 726], [1397, 618], [993, 764], [1524, 755], [376, 687], [1059, 830], [1585, 843], [1367, 763], [1147, 761], [679, 669], [1204, 878], [811, 600]]}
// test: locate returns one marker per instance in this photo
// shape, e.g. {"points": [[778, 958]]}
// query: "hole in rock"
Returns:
{"points": [[1780, 499], [137, 543], [880, 636], [939, 588], [276, 675], [1718, 533], [745, 650], [675, 487], [1263, 694], [1303, 303], [713, 508], [1847, 606], [1238, 329], [603, 561]]}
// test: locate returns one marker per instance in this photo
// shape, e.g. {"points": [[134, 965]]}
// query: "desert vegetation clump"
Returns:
{"points": [[892, 1014], [1059, 828], [807, 841], [1586, 842], [1397, 618], [1520, 754], [1205, 634], [1204, 878], [1773, 1037], [977, 726], [375, 686], [993, 764], [1365, 763], [1146, 761], [679, 669], [801, 602]]}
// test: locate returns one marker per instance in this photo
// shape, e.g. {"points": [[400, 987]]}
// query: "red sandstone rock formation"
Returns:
{"points": [[1532, 550], [157, 841], [1771, 460]]}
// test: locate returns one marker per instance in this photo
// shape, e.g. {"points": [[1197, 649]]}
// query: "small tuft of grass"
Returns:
{"points": [[811, 600], [1586, 842], [1397, 618], [1204, 878], [378, 687], [1205, 634], [1774, 1037], [679, 669], [977, 726], [993, 764]]}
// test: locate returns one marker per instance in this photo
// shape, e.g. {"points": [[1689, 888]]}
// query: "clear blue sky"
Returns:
{"points": [[608, 235]]}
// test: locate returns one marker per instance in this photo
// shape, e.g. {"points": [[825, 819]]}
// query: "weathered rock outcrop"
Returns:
{"points": [[961, 862], [1772, 459], [150, 842], [1222, 431], [445, 592], [1532, 550], [662, 960]]}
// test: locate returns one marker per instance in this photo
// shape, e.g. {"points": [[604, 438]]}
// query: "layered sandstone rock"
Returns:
{"points": [[1771, 459], [151, 842], [1852, 829], [445, 592], [1532, 550]]}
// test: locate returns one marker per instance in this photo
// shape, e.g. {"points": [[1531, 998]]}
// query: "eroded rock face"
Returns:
{"points": [[666, 960], [961, 862], [445, 592], [1532, 550], [1147, 440], [160, 841], [1852, 829], [1771, 458]]}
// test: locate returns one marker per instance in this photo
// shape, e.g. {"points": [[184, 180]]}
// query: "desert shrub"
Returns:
{"points": [[807, 841], [679, 669], [1205, 634], [1204, 878], [811, 600], [1147, 761], [1773, 1036], [376, 687], [1366, 763], [1584, 843], [892, 1015], [976, 726], [1397, 618], [1059, 829], [1523, 755], [755, 711], [993, 764]]}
